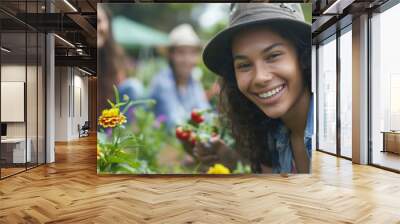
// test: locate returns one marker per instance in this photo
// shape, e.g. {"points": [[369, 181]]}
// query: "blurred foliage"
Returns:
{"points": [[167, 15], [307, 11], [152, 134], [208, 78], [242, 168], [118, 153]]}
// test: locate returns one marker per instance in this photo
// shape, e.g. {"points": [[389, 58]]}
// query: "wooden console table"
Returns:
{"points": [[391, 141]]}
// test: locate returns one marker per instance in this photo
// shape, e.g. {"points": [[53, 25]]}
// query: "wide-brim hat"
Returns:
{"points": [[182, 35], [217, 54]]}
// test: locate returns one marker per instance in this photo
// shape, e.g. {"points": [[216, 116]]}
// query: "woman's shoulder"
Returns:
{"points": [[132, 86], [131, 83]]}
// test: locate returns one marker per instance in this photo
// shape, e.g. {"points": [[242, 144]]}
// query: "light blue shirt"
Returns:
{"points": [[175, 105], [281, 138], [134, 89]]}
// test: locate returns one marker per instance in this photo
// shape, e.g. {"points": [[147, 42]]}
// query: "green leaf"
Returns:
{"points": [[146, 101], [126, 108], [127, 168], [116, 92], [120, 104], [111, 103]]}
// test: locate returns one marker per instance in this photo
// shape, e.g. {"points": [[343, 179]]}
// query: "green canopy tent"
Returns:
{"points": [[140, 41], [131, 34]]}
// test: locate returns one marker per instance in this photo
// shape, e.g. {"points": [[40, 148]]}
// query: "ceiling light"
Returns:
{"points": [[65, 41], [84, 71], [337, 7], [332, 7], [5, 50], [70, 5]]}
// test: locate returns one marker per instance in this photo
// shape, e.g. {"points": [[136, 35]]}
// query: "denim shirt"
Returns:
{"points": [[176, 106], [281, 137]]}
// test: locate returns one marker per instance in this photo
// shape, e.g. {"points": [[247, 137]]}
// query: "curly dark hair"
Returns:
{"points": [[249, 125]]}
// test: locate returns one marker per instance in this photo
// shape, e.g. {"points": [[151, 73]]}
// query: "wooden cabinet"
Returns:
{"points": [[391, 142]]}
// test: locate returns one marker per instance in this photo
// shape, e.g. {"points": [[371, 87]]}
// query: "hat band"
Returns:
{"points": [[266, 14]]}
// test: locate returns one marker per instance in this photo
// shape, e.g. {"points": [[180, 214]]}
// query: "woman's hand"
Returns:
{"points": [[215, 151]]}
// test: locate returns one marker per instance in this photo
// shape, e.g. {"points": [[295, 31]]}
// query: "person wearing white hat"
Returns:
{"points": [[175, 90]]}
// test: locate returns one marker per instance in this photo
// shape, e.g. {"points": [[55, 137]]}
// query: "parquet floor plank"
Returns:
{"points": [[70, 191]]}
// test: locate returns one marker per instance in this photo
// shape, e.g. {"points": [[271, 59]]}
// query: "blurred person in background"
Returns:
{"points": [[112, 65], [175, 89]]}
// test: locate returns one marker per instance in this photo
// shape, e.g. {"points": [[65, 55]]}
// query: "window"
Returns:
{"points": [[327, 96], [22, 75], [346, 93], [385, 88]]}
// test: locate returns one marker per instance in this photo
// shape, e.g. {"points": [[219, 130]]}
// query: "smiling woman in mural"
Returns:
{"points": [[264, 60]]}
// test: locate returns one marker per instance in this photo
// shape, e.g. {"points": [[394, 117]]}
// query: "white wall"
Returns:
{"points": [[16, 73], [61, 103], [71, 94], [12, 101], [80, 100]]}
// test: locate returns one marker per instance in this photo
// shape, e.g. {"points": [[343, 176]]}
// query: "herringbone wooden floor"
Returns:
{"points": [[69, 191]]}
